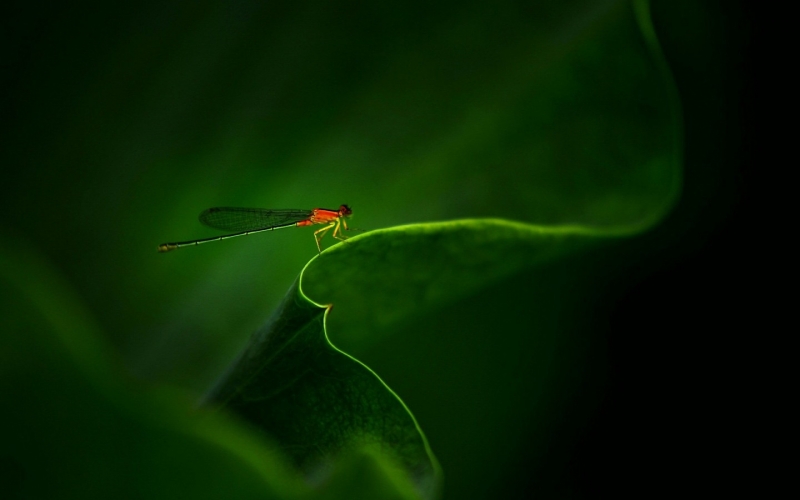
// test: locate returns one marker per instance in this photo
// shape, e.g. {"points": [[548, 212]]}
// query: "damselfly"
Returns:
{"points": [[246, 221]]}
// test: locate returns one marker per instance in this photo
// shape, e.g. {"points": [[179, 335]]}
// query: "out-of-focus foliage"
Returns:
{"points": [[73, 427], [129, 121], [545, 112]]}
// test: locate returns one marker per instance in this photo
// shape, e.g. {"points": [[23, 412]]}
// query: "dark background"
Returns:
{"points": [[663, 320], [671, 406]]}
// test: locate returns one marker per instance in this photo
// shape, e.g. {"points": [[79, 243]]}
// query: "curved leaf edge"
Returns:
{"points": [[533, 230], [437, 469]]}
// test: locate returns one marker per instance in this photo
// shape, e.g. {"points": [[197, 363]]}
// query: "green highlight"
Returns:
{"points": [[432, 490], [318, 403]]}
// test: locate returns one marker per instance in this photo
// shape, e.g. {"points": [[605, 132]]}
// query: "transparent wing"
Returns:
{"points": [[248, 219]]}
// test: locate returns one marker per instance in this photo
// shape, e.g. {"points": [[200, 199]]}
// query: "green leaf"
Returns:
{"points": [[471, 321], [382, 278], [317, 402]]}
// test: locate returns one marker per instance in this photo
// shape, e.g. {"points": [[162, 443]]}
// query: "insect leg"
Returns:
{"points": [[338, 230], [318, 236]]}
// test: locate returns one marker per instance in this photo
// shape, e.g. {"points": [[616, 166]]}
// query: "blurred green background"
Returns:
{"points": [[122, 123]]}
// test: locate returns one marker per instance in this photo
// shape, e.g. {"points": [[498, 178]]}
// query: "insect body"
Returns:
{"points": [[244, 221]]}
